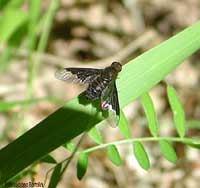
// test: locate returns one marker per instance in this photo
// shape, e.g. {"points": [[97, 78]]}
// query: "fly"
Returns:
{"points": [[101, 85]]}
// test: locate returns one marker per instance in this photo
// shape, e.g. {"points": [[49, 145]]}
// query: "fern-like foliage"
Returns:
{"points": [[164, 143]]}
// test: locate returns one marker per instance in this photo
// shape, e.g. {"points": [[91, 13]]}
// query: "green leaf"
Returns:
{"points": [[178, 111], [193, 124], [3, 3], [55, 178], [34, 12], [123, 125], [95, 135], [113, 155], [150, 113], [71, 120], [14, 3], [70, 146], [48, 159], [192, 144], [141, 155], [195, 146], [82, 165], [10, 22], [168, 151]]}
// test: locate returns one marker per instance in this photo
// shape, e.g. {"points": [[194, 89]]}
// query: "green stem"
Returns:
{"points": [[42, 43], [147, 139]]}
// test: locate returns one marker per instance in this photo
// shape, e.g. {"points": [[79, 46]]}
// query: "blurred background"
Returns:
{"points": [[91, 33]]}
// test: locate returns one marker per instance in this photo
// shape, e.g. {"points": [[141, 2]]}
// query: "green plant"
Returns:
{"points": [[136, 78]]}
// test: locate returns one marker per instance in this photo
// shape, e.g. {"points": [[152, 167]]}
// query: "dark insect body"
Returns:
{"points": [[101, 84]]}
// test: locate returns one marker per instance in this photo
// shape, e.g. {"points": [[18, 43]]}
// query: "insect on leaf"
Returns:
{"points": [[101, 85]]}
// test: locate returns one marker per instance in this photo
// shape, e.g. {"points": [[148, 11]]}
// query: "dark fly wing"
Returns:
{"points": [[77, 75], [110, 101], [115, 100]]}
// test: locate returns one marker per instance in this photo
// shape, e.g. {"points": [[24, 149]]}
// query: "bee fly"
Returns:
{"points": [[101, 85]]}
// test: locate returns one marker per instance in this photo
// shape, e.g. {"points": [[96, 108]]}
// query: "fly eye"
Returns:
{"points": [[117, 66]]}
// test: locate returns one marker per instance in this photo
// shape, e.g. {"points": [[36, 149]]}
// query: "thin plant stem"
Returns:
{"points": [[42, 43], [147, 139]]}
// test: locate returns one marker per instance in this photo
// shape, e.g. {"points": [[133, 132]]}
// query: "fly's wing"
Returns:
{"points": [[77, 75], [110, 101]]}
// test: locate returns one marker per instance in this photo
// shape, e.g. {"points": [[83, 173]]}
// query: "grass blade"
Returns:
{"points": [[10, 22]]}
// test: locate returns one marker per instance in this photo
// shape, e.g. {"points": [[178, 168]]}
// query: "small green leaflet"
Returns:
{"points": [[70, 146], [55, 177], [95, 135], [168, 151], [150, 113], [48, 159], [82, 165], [192, 144], [141, 155], [177, 109], [123, 125], [113, 154]]}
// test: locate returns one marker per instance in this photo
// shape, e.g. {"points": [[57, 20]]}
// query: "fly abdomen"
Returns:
{"points": [[96, 88]]}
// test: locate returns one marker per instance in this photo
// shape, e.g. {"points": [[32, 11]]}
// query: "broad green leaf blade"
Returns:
{"points": [[150, 113], [55, 178], [70, 146], [113, 155], [178, 111], [141, 155], [123, 125], [136, 78], [10, 22], [48, 159], [145, 71], [82, 165], [168, 151], [95, 135]]}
